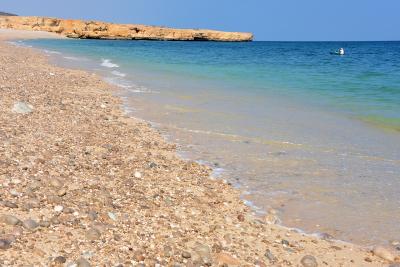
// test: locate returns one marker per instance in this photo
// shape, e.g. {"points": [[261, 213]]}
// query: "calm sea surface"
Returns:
{"points": [[312, 135]]}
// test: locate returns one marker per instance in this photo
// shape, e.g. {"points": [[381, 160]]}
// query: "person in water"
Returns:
{"points": [[341, 51]]}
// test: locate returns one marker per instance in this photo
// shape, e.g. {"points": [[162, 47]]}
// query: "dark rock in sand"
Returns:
{"points": [[10, 204], [30, 224], [60, 260], [270, 256], [5, 244]]}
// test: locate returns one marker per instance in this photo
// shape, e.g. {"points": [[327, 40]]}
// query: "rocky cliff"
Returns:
{"points": [[101, 30], [6, 14]]}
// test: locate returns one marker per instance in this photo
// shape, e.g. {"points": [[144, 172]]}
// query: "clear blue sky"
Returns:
{"points": [[267, 19]]}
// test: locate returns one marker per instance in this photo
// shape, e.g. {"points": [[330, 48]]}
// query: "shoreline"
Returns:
{"points": [[242, 239]]}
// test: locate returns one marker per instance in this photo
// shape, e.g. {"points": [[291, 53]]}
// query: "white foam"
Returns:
{"points": [[108, 64], [52, 52], [72, 58], [117, 73]]}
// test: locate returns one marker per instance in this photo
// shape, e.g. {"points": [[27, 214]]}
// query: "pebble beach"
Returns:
{"points": [[83, 184]]}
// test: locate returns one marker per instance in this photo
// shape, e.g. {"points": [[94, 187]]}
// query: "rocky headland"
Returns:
{"points": [[102, 30]]}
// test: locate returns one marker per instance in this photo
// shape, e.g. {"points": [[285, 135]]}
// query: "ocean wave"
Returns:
{"points": [[108, 64], [117, 73], [72, 58], [52, 52]]}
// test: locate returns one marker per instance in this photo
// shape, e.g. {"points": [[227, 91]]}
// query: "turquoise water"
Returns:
{"points": [[314, 136], [365, 83]]}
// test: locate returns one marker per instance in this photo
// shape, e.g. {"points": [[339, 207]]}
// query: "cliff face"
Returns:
{"points": [[101, 30], [6, 14]]}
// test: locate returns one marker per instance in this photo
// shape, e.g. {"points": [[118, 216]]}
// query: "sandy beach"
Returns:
{"points": [[83, 184]]}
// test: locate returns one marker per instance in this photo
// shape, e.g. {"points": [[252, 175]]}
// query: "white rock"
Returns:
{"points": [[112, 216], [138, 175], [58, 208], [22, 108]]}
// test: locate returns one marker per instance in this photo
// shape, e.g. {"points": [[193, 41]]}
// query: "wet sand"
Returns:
{"points": [[83, 184]]}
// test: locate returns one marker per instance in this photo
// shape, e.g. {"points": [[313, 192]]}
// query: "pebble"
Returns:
{"points": [[30, 224], [62, 192], [5, 244], [44, 224], [58, 208], [60, 260], [240, 217], [384, 253], [14, 193], [10, 220], [224, 258], [92, 215], [138, 175], [10, 204], [82, 262], [54, 182], [204, 253], [270, 256], [112, 216], [309, 261], [93, 234], [186, 255], [22, 108]]}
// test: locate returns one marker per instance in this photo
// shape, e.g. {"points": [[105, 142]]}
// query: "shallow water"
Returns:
{"points": [[309, 134]]}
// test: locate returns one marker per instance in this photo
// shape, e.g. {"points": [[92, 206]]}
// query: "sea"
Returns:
{"points": [[315, 137]]}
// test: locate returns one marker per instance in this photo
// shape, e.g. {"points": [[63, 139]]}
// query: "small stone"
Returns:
{"points": [[5, 244], [10, 220], [93, 234], [112, 216], [82, 262], [138, 175], [270, 256], [285, 243], [384, 253], [22, 108], [54, 182], [30, 224], [186, 255], [152, 165], [240, 217], [62, 192], [44, 224], [309, 261], [58, 208], [203, 251], [10, 205], [60, 260], [224, 258], [92, 215], [14, 193], [168, 251], [68, 210]]}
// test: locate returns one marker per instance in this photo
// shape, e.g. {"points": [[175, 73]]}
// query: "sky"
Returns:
{"points": [[270, 20]]}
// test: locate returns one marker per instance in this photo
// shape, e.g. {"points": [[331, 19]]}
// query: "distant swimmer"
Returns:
{"points": [[340, 52]]}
